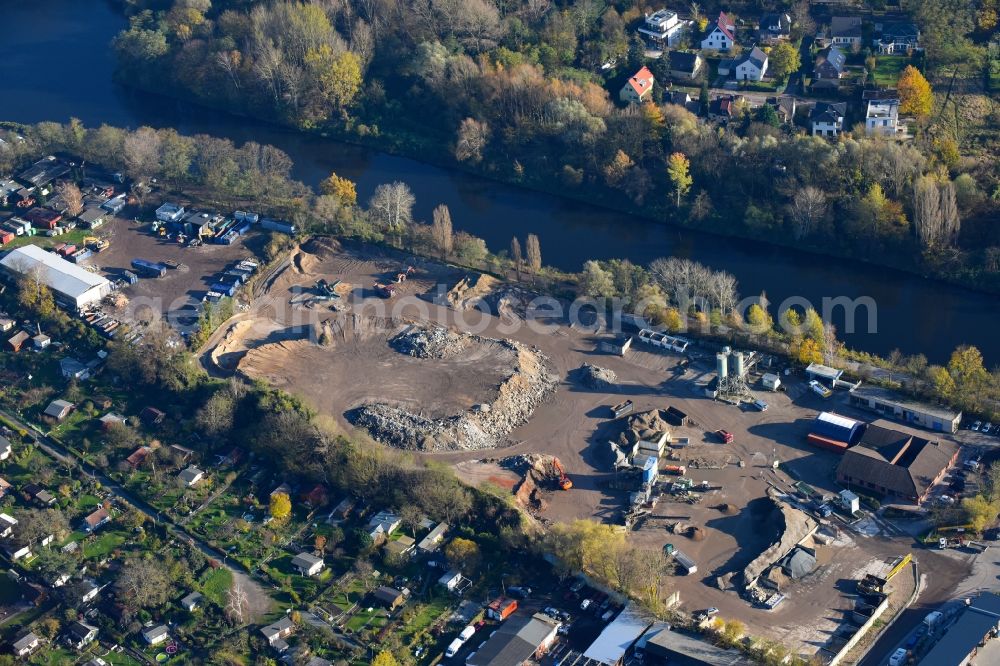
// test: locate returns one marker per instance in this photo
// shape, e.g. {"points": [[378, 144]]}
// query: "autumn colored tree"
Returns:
{"points": [[281, 506], [915, 95], [463, 554], [384, 658], [759, 320], [809, 351], [679, 171], [72, 197], [342, 188], [533, 252], [784, 60], [441, 230]]}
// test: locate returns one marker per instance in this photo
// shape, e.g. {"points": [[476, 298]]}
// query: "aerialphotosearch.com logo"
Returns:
{"points": [[505, 313]]}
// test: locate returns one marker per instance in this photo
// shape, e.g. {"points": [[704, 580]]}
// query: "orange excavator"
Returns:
{"points": [[562, 480]]}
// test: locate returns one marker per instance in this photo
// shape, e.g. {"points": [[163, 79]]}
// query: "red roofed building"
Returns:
{"points": [[138, 457], [41, 218], [315, 497], [639, 88], [722, 36]]}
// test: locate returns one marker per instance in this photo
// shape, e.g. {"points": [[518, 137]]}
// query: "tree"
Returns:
{"points": [[33, 525], [343, 189], [784, 60], [72, 197], [678, 169], [280, 507], [141, 153], [759, 319], [915, 95], [473, 136], [384, 658], [463, 554], [809, 351], [216, 417], [392, 206], [515, 255], [595, 281], [441, 230], [142, 584], [807, 210], [533, 251], [237, 604], [336, 75]]}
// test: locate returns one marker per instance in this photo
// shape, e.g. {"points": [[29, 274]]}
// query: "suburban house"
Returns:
{"points": [[276, 633], [685, 65], [111, 420], [785, 107], [639, 88], [827, 119], [169, 212], [190, 476], [315, 496], [722, 35], [137, 457], [33, 491], [662, 28], [41, 341], [92, 218], [382, 524], [70, 368], [6, 323], [26, 644], [16, 551], [17, 341], [95, 520], [829, 64], [5, 448], [774, 27], [897, 37], [79, 635], [7, 523], [58, 409], [896, 464], [401, 547], [155, 635], [450, 580], [517, 641], [389, 597], [846, 30], [432, 541], [681, 98], [882, 117], [752, 65], [722, 107], [308, 564], [191, 602], [90, 590]]}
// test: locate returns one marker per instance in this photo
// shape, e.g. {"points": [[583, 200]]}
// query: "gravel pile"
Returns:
{"points": [[434, 342], [516, 399], [597, 377]]}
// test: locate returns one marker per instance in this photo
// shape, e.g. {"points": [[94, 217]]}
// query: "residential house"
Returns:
{"points": [[401, 547], [315, 496], [897, 37], [882, 117], [308, 564], [342, 511], [722, 35], [137, 457], [774, 27], [450, 581], [432, 542], [58, 409], [45, 498], [95, 520], [5, 448], [26, 644], [70, 368], [276, 633], [7, 523], [389, 597], [169, 212], [639, 88], [41, 341], [752, 65], [785, 106], [846, 30], [382, 524], [722, 108], [191, 601], [111, 420], [80, 634], [93, 218], [829, 64], [17, 341], [685, 65], [152, 416], [89, 591], [662, 29], [681, 98], [181, 453], [16, 551], [156, 634], [5, 487], [6, 323], [190, 476], [827, 119]]}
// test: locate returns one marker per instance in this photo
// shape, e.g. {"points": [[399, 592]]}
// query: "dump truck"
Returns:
{"points": [[674, 469], [622, 408], [724, 436], [686, 563]]}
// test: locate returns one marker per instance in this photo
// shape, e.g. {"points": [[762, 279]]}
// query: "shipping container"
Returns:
{"points": [[149, 268], [275, 225], [81, 255], [224, 289]]}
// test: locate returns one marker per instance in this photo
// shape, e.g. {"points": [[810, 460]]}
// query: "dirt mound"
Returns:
{"points": [[468, 292], [435, 342], [727, 509], [697, 534], [597, 377]]}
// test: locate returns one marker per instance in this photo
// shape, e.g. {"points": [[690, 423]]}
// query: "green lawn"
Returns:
{"points": [[103, 545], [426, 615], [888, 68], [87, 502], [215, 585], [56, 656], [74, 236]]}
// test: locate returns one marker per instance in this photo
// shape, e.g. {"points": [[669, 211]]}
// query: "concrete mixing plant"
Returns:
{"points": [[732, 368]]}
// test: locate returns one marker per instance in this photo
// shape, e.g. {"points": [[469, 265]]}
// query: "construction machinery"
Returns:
{"points": [[872, 584], [403, 275], [385, 290], [559, 475]]}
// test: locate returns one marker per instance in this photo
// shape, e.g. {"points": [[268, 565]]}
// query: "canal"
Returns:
{"points": [[57, 63]]}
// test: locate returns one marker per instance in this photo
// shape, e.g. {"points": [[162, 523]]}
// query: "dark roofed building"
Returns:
{"points": [[829, 64], [979, 620], [518, 640], [674, 647], [389, 597], [685, 65], [896, 464], [44, 171], [774, 27]]}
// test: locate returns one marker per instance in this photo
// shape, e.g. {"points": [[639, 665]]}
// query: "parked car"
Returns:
{"points": [[585, 604], [551, 612], [760, 405], [519, 592], [988, 428], [898, 657], [976, 426]]}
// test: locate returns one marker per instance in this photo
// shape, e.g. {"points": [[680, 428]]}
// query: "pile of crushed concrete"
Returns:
{"points": [[646, 426], [486, 426], [596, 377], [434, 342]]}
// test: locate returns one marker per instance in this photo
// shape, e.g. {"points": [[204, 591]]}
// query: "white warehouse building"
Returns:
{"points": [[71, 285]]}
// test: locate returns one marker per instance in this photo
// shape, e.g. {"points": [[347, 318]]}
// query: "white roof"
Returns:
{"points": [[824, 371], [60, 275], [618, 636], [837, 420]]}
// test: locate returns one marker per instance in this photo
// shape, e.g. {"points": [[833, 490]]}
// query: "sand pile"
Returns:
{"points": [[597, 377]]}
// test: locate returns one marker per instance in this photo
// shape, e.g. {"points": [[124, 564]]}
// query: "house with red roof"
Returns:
{"points": [[639, 87], [722, 36]]}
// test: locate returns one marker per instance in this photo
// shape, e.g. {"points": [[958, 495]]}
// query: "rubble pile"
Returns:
{"points": [[648, 426], [433, 342], [597, 377]]}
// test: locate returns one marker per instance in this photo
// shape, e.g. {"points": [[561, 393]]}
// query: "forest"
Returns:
{"points": [[503, 87]]}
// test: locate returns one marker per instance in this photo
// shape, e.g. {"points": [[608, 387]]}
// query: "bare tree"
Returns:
{"points": [[72, 197], [534, 251], [515, 255], [807, 209], [927, 211], [473, 135], [237, 603], [392, 206], [441, 230], [950, 221], [229, 62], [142, 153]]}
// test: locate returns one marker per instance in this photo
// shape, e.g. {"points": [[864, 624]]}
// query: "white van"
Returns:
{"points": [[760, 405], [454, 647], [467, 633]]}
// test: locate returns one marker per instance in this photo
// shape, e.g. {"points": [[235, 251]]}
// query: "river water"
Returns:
{"points": [[55, 63]]}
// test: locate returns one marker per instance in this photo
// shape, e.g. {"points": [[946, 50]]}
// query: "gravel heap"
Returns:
{"points": [[433, 342], [597, 377], [516, 399]]}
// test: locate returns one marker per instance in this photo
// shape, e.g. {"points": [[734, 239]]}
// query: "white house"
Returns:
{"points": [[752, 66], [845, 30], [382, 524], [308, 564], [191, 601], [5, 448], [26, 644], [722, 36], [169, 212], [155, 635], [638, 88], [450, 581], [882, 117], [7, 523], [827, 119], [190, 476], [662, 28]]}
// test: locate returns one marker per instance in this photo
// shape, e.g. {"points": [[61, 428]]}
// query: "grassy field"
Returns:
{"points": [[75, 237], [103, 545], [215, 585], [888, 68]]}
